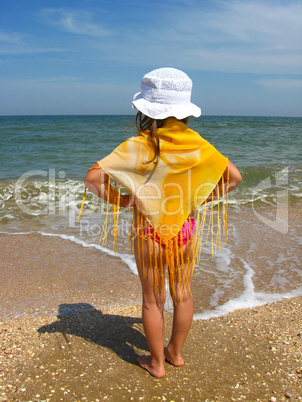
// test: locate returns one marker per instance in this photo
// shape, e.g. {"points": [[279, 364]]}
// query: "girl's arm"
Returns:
{"points": [[97, 182], [234, 179]]}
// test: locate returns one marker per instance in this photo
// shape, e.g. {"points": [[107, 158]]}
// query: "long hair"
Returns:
{"points": [[147, 123]]}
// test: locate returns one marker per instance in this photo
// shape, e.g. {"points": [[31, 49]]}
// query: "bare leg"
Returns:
{"points": [[152, 309], [182, 319]]}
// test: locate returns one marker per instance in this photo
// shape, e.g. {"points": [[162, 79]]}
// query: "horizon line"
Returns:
{"points": [[133, 115]]}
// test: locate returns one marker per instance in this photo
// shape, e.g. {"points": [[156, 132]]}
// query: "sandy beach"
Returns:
{"points": [[71, 330]]}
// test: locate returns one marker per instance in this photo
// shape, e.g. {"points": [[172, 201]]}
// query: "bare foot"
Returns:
{"points": [[146, 363], [175, 360]]}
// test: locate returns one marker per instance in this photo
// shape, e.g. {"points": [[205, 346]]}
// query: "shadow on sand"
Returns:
{"points": [[114, 332]]}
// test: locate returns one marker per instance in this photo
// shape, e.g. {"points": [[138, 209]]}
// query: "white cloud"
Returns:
{"points": [[266, 25], [78, 22], [251, 36], [11, 37], [12, 43], [237, 36], [226, 36]]}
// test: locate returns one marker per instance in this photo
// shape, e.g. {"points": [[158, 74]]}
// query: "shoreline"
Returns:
{"points": [[81, 332], [253, 278]]}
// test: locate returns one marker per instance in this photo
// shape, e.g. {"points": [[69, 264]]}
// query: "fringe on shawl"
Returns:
{"points": [[115, 212], [178, 258]]}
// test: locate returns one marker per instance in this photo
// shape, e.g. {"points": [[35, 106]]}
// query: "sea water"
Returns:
{"points": [[45, 158]]}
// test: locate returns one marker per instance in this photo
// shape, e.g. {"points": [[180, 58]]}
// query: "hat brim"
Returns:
{"points": [[157, 110]]}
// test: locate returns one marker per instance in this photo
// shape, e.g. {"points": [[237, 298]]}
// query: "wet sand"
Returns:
{"points": [[71, 330]]}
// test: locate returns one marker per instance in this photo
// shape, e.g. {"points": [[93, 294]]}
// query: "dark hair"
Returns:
{"points": [[147, 123]]}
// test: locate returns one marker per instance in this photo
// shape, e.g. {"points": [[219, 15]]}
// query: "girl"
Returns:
{"points": [[169, 171]]}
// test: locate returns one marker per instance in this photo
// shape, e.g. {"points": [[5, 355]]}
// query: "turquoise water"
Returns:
{"points": [[45, 158], [73, 143]]}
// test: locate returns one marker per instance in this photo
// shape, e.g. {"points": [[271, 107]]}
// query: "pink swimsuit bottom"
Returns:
{"points": [[186, 232]]}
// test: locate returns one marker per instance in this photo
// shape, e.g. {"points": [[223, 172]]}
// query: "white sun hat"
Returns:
{"points": [[166, 92]]}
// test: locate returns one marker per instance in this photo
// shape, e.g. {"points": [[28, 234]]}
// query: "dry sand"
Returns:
{"points": [[80, 332]]}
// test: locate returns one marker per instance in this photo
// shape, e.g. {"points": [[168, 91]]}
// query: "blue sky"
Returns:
{"points": [[88, 56]]}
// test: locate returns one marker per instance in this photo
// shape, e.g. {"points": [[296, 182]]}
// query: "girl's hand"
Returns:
{"points": [[234, 179], [97, 182], [234, 175]]}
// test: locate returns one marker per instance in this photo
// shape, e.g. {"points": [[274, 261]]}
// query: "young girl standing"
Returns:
{"points": [[169, 172]]}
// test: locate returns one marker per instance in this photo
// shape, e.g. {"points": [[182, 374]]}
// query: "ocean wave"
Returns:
{"points": [[44, 192], [249, 298], [244, 302]]}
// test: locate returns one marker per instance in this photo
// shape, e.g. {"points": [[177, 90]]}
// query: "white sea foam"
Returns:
{"points": [[241, 302], [128, 260], [248, 298]]}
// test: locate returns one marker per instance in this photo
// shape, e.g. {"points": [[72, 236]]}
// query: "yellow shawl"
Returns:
{"points": [[186, 174]]}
